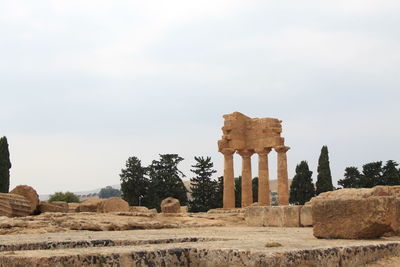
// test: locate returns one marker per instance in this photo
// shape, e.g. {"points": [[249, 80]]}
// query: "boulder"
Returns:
{"points": [[13, 205], [89, 205], [277, 216], [50, 207], [112, 205], [356, 213], [170, 205], [29, 193]]}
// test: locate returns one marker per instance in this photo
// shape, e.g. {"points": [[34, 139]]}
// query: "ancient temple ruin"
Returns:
{"points": [[247, 136]]}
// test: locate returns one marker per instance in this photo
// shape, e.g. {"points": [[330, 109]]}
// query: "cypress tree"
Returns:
{"points": [[203, 188], [5, 166], [302, 187], [324, 178]]}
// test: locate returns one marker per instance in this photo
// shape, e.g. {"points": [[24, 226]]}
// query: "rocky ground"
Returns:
{"points": [[61, 222]]}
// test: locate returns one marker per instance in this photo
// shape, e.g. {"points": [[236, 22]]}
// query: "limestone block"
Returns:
{"points": [[62, 204], [73, 207], [89, 205], [184, 209], [356, 213], [49, 207], [306, 216], [112, 205], [278, 216], [356, 218], [138, 209], [170, 205], [13, 205], [29, 193]]}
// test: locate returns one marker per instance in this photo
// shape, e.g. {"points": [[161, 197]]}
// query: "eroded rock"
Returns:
{"points": [[89, 205], [170, 205], [13, 205], [30, 194], [112, 205], [50, 207], [356, 213]]}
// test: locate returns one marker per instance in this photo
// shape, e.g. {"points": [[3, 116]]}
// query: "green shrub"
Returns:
{"points": [[67, 197]]}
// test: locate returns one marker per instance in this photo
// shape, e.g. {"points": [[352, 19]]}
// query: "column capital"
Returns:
{"points": [[245, 153], [263, 151], [227, 151], [281, 149]]}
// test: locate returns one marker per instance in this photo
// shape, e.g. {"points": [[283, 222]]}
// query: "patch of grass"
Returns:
{"points": [[272, 244]]}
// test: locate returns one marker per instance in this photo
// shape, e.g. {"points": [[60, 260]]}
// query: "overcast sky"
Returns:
{"points": [[86, 84]]}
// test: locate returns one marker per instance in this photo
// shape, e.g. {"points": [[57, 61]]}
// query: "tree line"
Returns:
{"points": [[149, 185]]}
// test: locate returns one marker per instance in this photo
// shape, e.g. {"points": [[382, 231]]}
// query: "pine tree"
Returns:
{"points": [[203, 188], [165, 181], [324, 178], [302, 187], [134, 184], [219, 194], [372, 174], [390, 174], [5, 166], [352, 178]]}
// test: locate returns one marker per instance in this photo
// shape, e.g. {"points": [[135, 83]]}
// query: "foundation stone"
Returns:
{"points": [[306, 216], [277, 216]]}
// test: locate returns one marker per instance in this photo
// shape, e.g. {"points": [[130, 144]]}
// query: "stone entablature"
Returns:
{"points": [[246, 136]]}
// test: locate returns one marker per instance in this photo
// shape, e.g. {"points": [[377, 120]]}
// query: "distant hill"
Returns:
{"points": [[273, 184], [82, 193]]}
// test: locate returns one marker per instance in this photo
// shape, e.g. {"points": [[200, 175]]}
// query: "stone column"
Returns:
{"points": [[229, 184], [247, 188], [263, 177], [283, 183]]}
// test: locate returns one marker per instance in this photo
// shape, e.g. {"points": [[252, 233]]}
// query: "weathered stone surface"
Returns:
{"points": [[278, 216], [114, 221], [306, 216], [356, 213], [170, 205], [73, 207], [184, 209], [13, 205], [138, 209], [222, 246], [89, 205], [50, 207], [29, 193], [62, 204], [113, 204]]}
